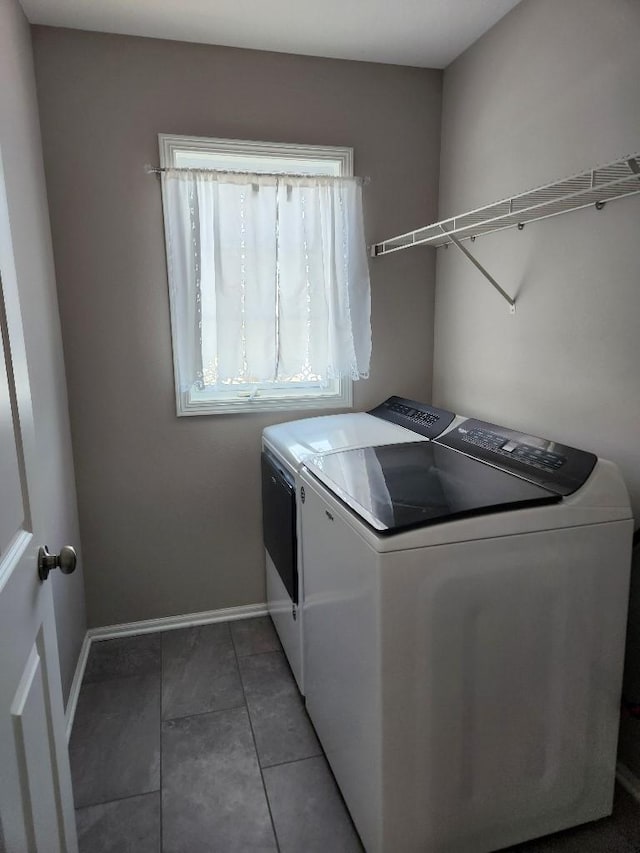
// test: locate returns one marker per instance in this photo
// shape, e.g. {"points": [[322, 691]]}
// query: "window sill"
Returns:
{"points": [[188, 403]]}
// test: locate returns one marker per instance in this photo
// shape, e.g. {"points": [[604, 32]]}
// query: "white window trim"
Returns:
{"points": [[169, 143], [196, 402]]}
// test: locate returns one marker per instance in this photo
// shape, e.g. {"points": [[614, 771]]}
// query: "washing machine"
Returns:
{"points": [[284, 449], [464, 627]]}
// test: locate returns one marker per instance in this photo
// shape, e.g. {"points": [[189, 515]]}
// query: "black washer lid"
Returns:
{"points": [[403, 486]]}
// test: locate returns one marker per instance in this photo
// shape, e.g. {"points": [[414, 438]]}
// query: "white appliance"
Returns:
{"points": [[285, 447], [464, 625]]}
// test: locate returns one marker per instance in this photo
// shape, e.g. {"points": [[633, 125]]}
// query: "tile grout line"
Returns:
{"points": [[255, 745], [295, 760], [118, 677], [117, 800], [204, 713], [256, 654]]}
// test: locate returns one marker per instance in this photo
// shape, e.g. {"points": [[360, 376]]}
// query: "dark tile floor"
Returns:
{"points": [[196, 740]]}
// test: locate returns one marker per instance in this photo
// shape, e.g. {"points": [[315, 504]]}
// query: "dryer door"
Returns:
{"points": [[279, 521]]}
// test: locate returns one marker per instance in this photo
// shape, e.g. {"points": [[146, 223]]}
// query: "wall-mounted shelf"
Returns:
{"points": [[597, 186]]}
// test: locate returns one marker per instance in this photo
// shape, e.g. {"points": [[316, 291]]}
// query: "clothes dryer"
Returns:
{"points": [[284, 449]]}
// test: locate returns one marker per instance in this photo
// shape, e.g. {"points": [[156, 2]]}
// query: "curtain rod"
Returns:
{"points": [[158, 170]]}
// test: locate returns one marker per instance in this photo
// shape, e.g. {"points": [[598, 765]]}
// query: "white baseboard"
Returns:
{"points": [[78, 675], [149, 626], [166, 623], [629, 781]]}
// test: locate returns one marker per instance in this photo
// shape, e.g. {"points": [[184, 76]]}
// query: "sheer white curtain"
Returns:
{"points": [[268, 278]]}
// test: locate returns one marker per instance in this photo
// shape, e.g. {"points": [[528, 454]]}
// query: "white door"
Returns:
{"points": [[36, 802]]}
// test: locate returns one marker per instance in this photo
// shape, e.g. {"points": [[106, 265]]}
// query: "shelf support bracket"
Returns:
{"points": [[478, 265]]}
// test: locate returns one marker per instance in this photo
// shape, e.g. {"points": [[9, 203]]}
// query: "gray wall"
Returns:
{"points": [[26, 195], [551, 90], [170, 508]]}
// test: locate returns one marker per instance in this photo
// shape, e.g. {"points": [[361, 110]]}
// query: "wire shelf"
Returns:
{"points": [[597, 187]]}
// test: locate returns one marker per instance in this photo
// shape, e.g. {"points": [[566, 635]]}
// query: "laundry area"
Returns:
{"points": [[319, 407]]}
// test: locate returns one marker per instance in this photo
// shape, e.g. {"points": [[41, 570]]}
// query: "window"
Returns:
{"points": [[257, 314]]}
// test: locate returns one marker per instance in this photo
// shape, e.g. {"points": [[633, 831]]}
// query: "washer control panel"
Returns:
{"points": [[421, 418], [538, 457], [557, 467]]}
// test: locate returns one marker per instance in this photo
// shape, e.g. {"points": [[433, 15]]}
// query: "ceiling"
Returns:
{"points": [[424, 33]]}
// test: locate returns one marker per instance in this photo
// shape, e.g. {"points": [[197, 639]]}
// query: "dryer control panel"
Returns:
{"points": [[557, 467], [420, 418]]}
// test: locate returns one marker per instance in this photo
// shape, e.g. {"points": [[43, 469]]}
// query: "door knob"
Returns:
{"points": [[65, 561]]}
